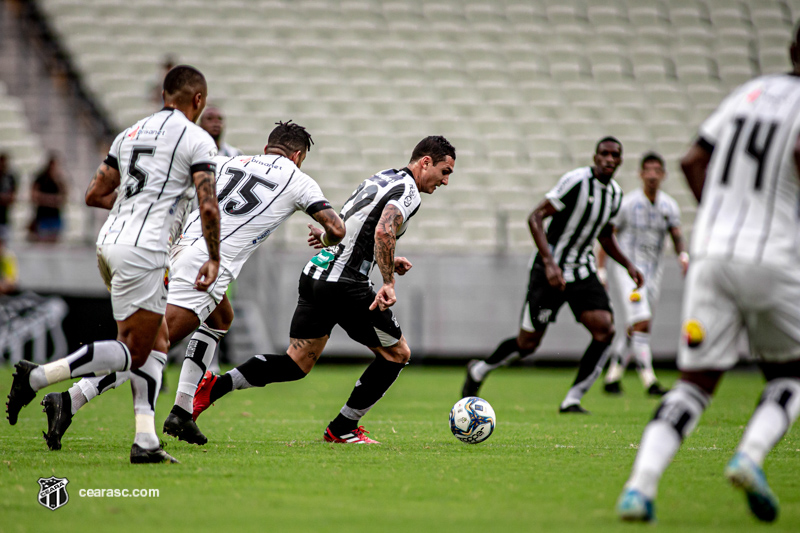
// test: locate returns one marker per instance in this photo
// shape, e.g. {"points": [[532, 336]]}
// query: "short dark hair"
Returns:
{"points": [[652, 156], [290, 136], [435, 146], [606, 140], [181, 78]]}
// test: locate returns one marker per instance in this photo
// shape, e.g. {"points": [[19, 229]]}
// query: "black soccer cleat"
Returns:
{"points": [[185, 430], [471, 385], [574, 408], [21, 393], [141, 456], [613, 387], [656, 390], [58, 407]]}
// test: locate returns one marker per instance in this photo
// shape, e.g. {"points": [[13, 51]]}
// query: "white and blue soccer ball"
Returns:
{"points": [[472, 420]]}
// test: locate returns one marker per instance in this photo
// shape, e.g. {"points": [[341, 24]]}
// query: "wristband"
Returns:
{"points": [[322, 240]]}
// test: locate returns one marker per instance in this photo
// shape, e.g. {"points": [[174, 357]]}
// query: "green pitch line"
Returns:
{"points": [[266, 467]]}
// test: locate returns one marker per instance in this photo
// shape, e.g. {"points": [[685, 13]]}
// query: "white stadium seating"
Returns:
{"points": [[522, 88]]}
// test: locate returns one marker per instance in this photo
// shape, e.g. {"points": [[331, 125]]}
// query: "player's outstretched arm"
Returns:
{"points": [[333, 232], [609, 243], [385, 241], [209, 216], [536, 224], [694, 165], [680, 250], [102, 190]]}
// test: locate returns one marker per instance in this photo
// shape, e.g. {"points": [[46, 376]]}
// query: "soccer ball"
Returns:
{"points": [[472, 420]]}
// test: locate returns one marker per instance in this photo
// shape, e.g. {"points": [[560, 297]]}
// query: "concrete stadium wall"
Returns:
{"points": [[448, 305]]}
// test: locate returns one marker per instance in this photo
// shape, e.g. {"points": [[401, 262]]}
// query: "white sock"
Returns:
{"points": [[640, 346], [199, 355], [775, 414], [145, 383], [673, 421], [620, 354], [96, 359], [87, 389], [481, 369]]}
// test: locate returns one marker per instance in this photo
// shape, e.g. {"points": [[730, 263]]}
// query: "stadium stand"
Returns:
{"points": [[522, 88]]}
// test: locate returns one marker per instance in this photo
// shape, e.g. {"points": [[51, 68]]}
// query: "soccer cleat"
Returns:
{"points": [[185, 430], [613, 387], [202, 396], [141, 456], [21, 393], [635, 506], [58, 407], [743, 473], [656, 390], [471, 385], [574, 408], [357, 436]]}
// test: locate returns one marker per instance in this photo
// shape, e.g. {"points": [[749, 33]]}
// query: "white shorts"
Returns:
{"points": [[185, 263], [623, 287], [137, 278], [723, 298]]}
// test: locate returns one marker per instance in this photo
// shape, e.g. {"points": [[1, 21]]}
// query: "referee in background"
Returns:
{"points": [[583, 206]]}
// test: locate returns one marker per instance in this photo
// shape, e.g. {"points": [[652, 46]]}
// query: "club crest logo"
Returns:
{"points": [[53, 492]]}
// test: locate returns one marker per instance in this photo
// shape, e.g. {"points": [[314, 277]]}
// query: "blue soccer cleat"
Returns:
{"points": [[743, 473], [635, 506]]}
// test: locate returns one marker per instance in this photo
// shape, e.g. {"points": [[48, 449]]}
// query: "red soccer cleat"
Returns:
{"points": [[202, 396], [357, 436]]}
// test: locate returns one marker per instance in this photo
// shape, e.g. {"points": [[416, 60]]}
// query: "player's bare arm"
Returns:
{"points": [[385, 241], [536, 224], [680, 250], [209, 216], [694, 165], [608, 240], [102, 190], [797, 155], [332, 233]]}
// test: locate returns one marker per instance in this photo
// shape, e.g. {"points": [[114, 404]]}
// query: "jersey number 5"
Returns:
{"points": [[139, 175], [759, 153]]}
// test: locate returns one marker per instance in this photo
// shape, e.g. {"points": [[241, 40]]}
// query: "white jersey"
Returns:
{"points": [[642, 226], [749, 210], [352, 259], [156, 158], [256, 194]]}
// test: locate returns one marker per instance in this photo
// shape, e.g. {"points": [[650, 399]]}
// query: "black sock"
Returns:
{"points": [[370, 388], [261, 370], [591, 357], [222, 386], [506, 348]]}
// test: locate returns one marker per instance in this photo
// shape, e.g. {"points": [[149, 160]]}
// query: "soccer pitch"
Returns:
{"points": [[267, 468]]}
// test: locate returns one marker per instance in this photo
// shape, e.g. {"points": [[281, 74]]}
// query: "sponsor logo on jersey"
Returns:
{"points": [[409, 197], [132, 134], [753, 96], [53, 492]]}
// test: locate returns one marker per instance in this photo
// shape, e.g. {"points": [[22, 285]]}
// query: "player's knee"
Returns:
{"points": [[642, 327], [682, 406], [604, 332], [527, 344], [399, 353], [138, 357]]}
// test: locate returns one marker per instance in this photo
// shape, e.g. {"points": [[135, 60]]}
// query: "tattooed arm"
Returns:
{"points": [[209, 217], [333, 233], [385, 240], [102, 190]]}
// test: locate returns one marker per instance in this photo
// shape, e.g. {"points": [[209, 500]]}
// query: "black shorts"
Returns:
{"points": [[323, 304], [544, 300]]}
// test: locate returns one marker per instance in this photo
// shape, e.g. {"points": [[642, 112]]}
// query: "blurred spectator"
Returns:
{"points": [[8, 194], [213, 121], [48, 195], [9, 273], [154, 93]]}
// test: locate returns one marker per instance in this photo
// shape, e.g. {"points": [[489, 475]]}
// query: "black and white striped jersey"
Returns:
{"points": [[749, 210], [585, 205], [156, 158], [352, 259], [256, 195]]}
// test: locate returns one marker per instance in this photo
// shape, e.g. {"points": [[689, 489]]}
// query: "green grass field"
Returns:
{"points": [[266, 467]]}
